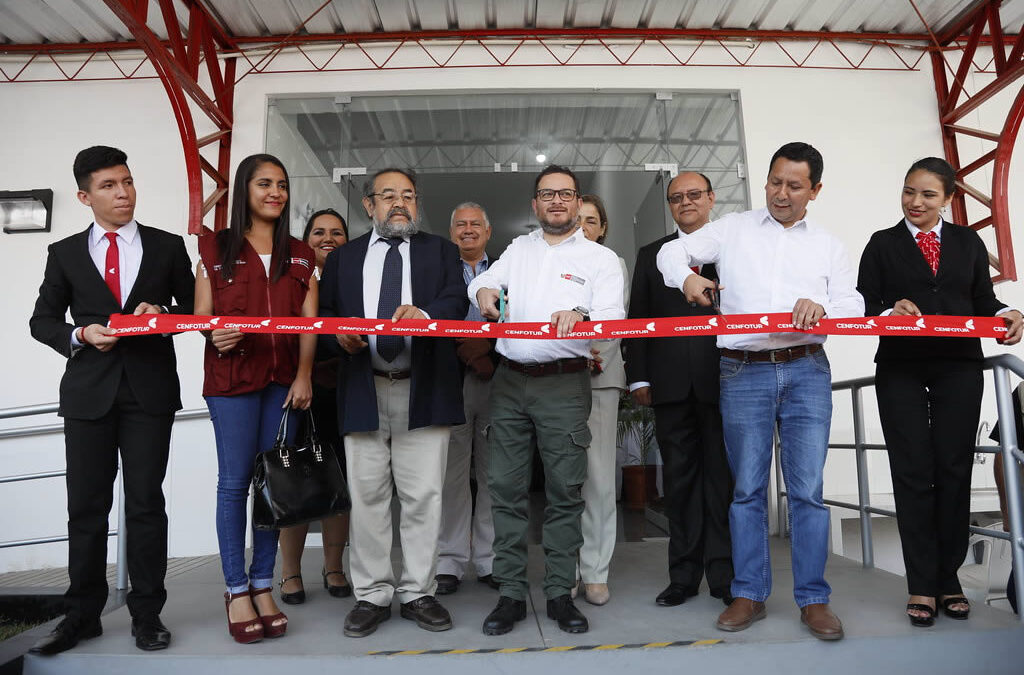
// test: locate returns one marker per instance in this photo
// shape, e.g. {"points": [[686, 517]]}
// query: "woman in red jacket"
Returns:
{"points": [[253, 268]]}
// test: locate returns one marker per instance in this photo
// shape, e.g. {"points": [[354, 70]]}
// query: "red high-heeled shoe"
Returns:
{"points": [[243, 632], [269, 629]]}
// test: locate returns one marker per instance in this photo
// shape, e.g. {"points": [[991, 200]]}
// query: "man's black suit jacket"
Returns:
{"points": [[439, 289], [91, 378], [892, 268], [671, 364]]}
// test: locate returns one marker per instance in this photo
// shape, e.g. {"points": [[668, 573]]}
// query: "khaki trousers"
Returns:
{"points": [[467, 533], [394, 460], [599, 515]]}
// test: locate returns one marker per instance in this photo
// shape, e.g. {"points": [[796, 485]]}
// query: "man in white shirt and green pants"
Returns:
{"points": [[542, 388]]}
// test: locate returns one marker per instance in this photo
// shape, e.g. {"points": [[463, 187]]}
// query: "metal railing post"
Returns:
{"points": [[1011, 475], [781, 504], [122, 540], [863, 490]]}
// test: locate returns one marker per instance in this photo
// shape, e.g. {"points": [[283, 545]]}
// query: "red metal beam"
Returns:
{"points": [[1008, 69], [174, 68]]}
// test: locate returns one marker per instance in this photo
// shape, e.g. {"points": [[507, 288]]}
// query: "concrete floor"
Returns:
{"points": [[868, 601]]}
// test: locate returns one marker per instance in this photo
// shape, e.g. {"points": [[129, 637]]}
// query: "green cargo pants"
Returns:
{"points": [[554, 408]]}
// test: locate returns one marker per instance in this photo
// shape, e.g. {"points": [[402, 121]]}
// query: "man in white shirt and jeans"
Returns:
{"points": [[775, 260], [556, 276]]}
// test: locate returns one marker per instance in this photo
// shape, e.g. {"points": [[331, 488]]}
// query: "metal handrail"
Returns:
{"points": [[24, 432], [1001, 366]]}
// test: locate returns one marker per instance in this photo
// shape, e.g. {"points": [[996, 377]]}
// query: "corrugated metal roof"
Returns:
{"points": [[73, 21]]}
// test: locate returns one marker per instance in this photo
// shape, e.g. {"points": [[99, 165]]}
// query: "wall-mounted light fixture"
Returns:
{"points": [[26, 210]]}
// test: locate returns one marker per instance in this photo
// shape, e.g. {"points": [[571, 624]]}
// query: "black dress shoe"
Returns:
{"points": [[150, 633], [66, 635], [428, 613], [364, 618], [488, 579], [503, 617], [673, 595], [724, 594], [447, 584], [569, 619]]}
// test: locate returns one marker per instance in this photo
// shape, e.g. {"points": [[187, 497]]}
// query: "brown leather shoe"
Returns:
{"points": [[740, 614], [822, 622]]}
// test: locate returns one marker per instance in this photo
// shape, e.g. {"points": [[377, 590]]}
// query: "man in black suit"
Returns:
{"points": [[115, 394], [679, 377], [397, 397]]}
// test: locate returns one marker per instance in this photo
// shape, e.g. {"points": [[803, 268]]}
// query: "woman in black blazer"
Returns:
{"points": [[929, 388]]}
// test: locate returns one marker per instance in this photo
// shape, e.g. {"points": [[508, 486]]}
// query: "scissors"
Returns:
{"points": [[715, 295]]}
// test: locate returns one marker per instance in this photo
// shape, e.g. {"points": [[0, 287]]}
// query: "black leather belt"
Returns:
{"points": [[774, 355], [548, 368], [393, 374]]}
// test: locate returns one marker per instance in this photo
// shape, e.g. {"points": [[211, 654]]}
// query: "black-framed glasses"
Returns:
{"points": [[565, 195], [390, 196], [692, 195]]}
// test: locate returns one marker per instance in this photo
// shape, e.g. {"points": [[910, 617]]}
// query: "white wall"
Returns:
{"points": [[869, 126]]}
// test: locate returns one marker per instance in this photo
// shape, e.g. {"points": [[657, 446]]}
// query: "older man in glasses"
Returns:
{"points": [[541, 388], [678, 376], [397, 397]]}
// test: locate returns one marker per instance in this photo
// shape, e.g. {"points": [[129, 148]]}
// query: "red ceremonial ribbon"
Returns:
{"points": [[932, 326]]}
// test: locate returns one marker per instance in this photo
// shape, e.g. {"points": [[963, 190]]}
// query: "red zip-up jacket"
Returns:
{"points": [[258, 359]]}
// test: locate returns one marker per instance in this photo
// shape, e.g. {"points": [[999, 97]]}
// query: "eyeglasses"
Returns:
{"points": [[692, 195], [564, 195], [390, 196]]}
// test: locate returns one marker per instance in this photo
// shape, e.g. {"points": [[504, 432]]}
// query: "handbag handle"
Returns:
{"points": [[282, 428]]}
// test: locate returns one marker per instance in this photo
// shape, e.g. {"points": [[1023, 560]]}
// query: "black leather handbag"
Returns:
{"points": [[297, 484]]}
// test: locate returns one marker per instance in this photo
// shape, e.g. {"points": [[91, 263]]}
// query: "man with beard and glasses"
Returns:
{"points": [[397, 397], [542, 388]]}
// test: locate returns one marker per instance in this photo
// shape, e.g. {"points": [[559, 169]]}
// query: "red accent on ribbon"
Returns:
{"points": [[112, 270], [730, 324]]}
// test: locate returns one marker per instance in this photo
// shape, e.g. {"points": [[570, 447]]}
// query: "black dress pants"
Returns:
{"points": [[698, 489], [929, 412], [91, 449]]}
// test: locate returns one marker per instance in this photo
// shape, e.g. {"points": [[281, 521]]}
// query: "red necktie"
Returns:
{"points": [[112, 270], [928, 242], [696, 269]]}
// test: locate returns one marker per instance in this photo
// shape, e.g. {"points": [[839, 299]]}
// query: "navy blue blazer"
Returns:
{"points": [[438, 288]]}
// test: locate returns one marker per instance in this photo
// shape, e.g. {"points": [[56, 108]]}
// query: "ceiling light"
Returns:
{"points": [[541, 158]]}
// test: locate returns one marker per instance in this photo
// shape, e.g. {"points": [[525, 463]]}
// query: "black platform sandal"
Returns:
{"points": [[958, 614], [921, 621], [296, 598]]}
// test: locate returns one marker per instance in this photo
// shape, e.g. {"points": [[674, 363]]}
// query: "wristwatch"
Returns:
{"points": [[582, 311]]}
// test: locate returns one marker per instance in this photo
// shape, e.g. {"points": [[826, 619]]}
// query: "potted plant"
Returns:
{"points": [[635, 434]]}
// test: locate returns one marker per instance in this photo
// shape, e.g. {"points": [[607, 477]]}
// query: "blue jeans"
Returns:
{"points": [[798, 396], [244, 425]]}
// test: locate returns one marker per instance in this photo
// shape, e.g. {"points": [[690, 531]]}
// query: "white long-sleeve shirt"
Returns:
{"points": [[764, 267], [542, 279]]}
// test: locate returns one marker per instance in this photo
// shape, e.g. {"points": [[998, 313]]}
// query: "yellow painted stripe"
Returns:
{"points": [[510, 650], [657, 644], [603, 647], [410, 652], [461, 651], [700, 643], [559, 649]]}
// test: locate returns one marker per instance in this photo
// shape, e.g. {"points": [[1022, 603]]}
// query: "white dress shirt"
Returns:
{"points": [[129, 259], [373, 266], [763, 268], [542, 279]]}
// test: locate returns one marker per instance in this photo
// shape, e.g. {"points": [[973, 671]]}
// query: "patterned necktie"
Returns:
{"points": [[928, 242], [112, 270], [390, 346]]}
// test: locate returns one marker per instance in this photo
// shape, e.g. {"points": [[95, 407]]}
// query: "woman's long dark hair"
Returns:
{"points": [[231, 239]]}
